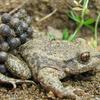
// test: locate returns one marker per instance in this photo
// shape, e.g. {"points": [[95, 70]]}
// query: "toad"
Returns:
{"points": [[50, 61]]}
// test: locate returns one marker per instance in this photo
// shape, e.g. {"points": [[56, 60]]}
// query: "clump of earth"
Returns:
{"points": [[38, 9]]}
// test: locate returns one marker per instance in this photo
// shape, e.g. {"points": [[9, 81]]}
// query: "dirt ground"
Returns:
{"points": [[38, 9]]}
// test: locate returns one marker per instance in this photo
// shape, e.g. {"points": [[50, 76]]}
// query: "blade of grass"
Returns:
{"points": [[65, 34], [74, 16]]}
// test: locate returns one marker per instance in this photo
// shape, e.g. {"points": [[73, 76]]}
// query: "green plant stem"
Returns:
{"points": [[76, 31], [78, 28], [96, 26], [85, 6]]}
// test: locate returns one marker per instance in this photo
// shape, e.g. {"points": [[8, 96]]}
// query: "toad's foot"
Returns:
{"points": [[49, 78], [5, 79], [78, 93]]}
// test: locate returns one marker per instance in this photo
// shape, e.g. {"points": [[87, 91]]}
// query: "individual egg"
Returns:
{"points": [[5, 18], [3, 56], [29, 31], [28, 20], [5, 30], [23, 11], [4, 46], [19, 30], [23, 38], [24, 25], [18, 15], [14, 22], [14, 42], [3, 69]]}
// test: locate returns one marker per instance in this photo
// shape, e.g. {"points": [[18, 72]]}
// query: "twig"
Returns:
{"points": [[47, 16], [17, 8]]}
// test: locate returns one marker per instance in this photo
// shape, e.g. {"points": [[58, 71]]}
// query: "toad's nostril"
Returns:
{"points": [[85, 56]]}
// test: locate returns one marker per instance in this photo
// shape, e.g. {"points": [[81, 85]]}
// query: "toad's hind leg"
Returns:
{"points": [[18, 67], [5, 79], [49, 78]]}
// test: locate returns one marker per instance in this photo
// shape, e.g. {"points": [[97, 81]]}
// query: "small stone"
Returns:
{"points": [[51, 95]]}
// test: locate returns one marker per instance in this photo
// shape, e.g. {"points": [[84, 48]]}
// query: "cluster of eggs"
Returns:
{"points": [[14, 30]]}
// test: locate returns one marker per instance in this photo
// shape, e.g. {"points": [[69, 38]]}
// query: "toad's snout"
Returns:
{"points": [[85, 62]]}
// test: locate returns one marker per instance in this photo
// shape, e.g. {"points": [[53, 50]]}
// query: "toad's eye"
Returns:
{"points": [[84, 57]]}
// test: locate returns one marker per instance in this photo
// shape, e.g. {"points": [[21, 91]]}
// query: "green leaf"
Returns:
{"points": [[65, 34], [89, 21]]}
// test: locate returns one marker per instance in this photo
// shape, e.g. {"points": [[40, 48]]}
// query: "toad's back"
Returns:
{"points": [[42, 52]]}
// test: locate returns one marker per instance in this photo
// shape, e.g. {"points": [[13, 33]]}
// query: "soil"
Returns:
{"points": [[38, 9]]}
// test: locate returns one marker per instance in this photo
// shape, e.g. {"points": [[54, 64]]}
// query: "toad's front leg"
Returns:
{"points": [[50, 79], [18, 68]]}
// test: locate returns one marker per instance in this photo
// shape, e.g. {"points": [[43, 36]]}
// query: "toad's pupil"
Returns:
{"points": [[85, 56]]}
